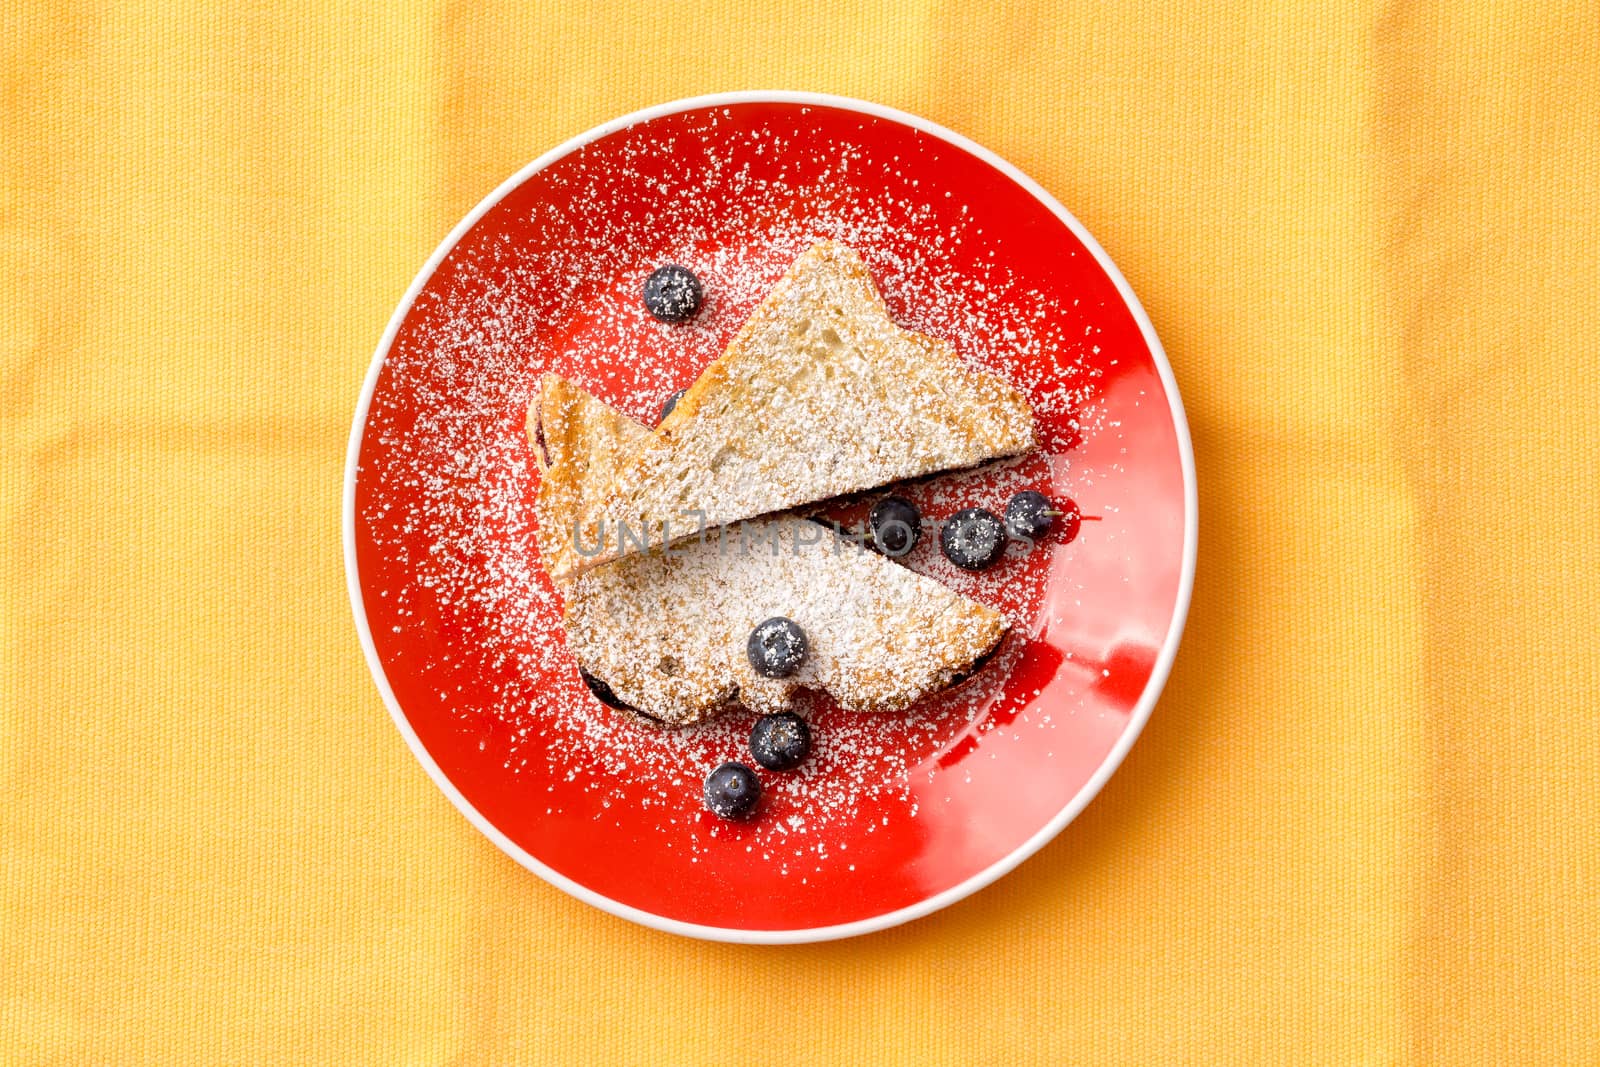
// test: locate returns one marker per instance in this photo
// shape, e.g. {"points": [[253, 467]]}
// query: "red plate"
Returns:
{"points": [[893, 816]]}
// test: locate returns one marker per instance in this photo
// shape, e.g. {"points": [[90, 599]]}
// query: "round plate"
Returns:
{"points": [[894, 815]]}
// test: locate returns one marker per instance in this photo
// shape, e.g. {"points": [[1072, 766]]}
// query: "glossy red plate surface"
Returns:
{"points": [[894, 816]]}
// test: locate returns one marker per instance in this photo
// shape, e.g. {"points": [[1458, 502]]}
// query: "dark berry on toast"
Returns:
{"points": [[776, 648]]}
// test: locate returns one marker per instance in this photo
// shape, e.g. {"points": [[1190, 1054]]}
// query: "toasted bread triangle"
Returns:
{"points": [[578, 442], [667, 629], [820, 394]]}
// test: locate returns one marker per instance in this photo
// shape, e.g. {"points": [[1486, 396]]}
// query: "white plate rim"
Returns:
{"points": [[998, 869]]}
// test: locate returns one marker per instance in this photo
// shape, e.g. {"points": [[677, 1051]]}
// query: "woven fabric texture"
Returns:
{"points": [[1363, 825]]}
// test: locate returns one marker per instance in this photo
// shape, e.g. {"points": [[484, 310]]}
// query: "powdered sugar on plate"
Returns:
{"points": [[550, 282]]}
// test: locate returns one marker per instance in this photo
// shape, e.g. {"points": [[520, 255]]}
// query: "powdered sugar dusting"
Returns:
{"points": [[668, 630], [537, 287]]}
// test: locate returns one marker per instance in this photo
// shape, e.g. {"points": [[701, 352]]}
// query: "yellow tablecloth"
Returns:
{"points": [[1362, 825]]}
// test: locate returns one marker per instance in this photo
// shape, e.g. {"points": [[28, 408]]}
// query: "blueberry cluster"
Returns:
{"points": [[973, 538], [778, 742], [777, 648]]}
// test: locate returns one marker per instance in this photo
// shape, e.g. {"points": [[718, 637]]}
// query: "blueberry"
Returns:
{"points": [[972, 539], [672, 402], [1033, 516], [780, 742], [732, 791], [672, 293], [1030, 515], [895, 524], [602, 692], [776, 648]]}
